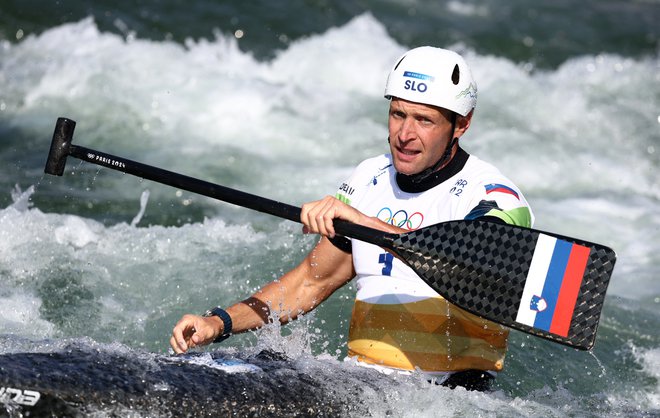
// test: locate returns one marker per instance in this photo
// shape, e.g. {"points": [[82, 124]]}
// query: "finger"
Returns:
{"points": [[333, 210], [313, 218], [328, 214], [178, 341], [175, 346], [182, 332], [307, 218], [198, 339]]}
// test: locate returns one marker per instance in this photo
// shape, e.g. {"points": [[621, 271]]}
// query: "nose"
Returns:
{"points": [[407, 130]]}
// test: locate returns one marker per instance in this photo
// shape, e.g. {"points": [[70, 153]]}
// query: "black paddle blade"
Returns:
{"points": [[540, 283]]}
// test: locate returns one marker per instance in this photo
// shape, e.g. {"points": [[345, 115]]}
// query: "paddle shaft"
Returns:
{"points": [[225, 194]]}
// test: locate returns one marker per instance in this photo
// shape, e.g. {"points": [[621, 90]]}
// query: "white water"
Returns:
{"points": [[582, 141]]}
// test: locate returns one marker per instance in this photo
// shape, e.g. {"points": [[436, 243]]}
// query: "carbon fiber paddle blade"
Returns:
{"points": [[540, 283]]}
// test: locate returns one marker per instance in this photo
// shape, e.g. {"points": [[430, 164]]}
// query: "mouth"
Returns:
{"points": [[406, 154]]}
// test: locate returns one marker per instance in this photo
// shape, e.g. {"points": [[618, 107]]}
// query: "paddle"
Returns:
{"points": [[541, 283]]}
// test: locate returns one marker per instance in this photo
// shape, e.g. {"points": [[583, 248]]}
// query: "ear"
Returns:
{"points": [[462, 124]]}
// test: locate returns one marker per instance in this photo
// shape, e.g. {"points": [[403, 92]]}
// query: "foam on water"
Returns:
{"points": [[18, 309], [650, 361], [64, 270]]}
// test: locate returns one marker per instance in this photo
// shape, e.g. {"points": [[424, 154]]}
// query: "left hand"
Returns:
{"points": [[194, 330]]}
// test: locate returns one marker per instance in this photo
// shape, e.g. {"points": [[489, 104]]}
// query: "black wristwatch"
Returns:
{"points": [[226, 322]]}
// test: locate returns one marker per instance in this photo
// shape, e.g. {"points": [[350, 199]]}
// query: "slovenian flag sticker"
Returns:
{"points": [[500, 188], [552, 285]]}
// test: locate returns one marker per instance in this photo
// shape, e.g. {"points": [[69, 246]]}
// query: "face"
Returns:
{"points": [[419, 134]]}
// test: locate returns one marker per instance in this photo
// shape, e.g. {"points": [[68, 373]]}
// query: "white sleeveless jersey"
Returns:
{"points": [[398, 320]]}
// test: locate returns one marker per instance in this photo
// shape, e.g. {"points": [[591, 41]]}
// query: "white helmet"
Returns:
{"points": [[433, 76]]}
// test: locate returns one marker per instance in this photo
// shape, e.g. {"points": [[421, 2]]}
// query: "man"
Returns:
{"points": [[398, 323]]}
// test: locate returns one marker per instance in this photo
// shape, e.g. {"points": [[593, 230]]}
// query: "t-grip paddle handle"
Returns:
{"points": [[60, 146]]}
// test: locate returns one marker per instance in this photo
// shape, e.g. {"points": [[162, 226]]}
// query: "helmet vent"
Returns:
{"points": [[456, 75], [398, 63]]}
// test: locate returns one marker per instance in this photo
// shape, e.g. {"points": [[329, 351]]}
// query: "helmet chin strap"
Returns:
{"points": [[423, 175]]}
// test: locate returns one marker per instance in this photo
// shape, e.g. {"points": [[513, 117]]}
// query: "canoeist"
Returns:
{"points": [[399, 324]]}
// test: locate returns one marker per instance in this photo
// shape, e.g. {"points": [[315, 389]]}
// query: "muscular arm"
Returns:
{"points": [[324, 270]]}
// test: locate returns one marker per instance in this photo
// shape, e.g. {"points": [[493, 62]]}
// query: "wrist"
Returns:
{"points": [[227, 324]]}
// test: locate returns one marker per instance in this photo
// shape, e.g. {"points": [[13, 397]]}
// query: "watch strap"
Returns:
{"points": [[226, 322]]}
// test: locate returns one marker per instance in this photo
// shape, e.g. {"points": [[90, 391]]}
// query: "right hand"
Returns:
{"points": [[317, 217], [193, 331]]}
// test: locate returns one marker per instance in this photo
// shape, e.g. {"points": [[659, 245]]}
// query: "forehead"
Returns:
{"points": [[407, 106]]}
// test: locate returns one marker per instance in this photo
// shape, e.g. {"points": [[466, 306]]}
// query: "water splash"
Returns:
{"points": [[603, 371], [144, 198], [21, 198]]}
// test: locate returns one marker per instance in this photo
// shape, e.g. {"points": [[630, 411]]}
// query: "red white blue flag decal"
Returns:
{"points": [[500, 188], [552, 286]]}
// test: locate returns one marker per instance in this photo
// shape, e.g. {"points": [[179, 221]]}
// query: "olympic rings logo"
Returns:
{"points": [[401, 218]]}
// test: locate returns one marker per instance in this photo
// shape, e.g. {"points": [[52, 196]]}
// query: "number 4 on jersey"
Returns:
{"points": [[386, 259]]}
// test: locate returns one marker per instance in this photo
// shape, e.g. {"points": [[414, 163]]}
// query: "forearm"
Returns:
{"points": [[297, 292], [277, 301], [302, 289]]}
